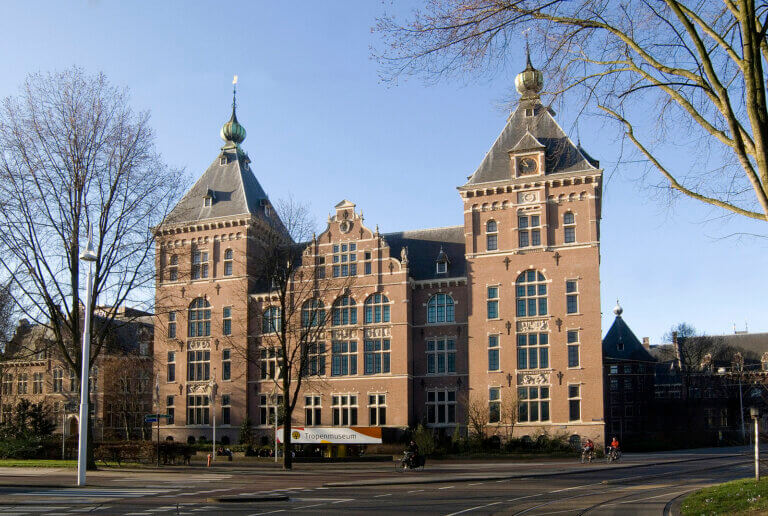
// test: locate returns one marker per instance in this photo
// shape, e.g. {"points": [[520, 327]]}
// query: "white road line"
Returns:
{"points": [[308, 506], [473, 508], [270, 512], [650, 497], [379, 496], [447, 487], [476, 484], [416, 491]]}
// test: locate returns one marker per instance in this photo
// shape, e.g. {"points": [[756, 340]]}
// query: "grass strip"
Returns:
{"points": [[743, 496]]}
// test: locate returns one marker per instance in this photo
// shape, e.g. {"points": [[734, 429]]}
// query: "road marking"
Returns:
{"points": [[477, 484], [447, 487], [473, 508], [650, 497], [416, 491], [308, 506], [379, 496]]}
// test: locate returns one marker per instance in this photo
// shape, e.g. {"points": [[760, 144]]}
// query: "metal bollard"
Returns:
{"points": [[209, 460]]}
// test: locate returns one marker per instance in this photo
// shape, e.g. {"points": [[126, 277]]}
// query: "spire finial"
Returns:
{"points": [[527, 52], [618, 310], [529, 81], [234, 94], [232, 132]]}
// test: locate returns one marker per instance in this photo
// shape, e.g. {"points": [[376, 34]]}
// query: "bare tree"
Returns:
{"points": [[127, 393], [75, 155], [6, 317], [478, 417], [295, 304], [685, 79]]}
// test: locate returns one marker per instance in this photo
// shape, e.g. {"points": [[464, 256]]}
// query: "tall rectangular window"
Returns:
{"points": [[268, 405], [493, 352], [173, 268], [345, 260], [532, 404], [532, 350], [529, 230], [198, 365], [171, 325], [572, 296], [376, 356], [343, 358], [312, 411], [21, 387], [574, 402], [268, 363], [228, 262], [226, 364], [573, 348], [72, 381], [494, 405], [226, 409], [7, 383], [344, 408], [227, 320], [441, 407], [569, 227], [37, 383], [377, 409], [493, 303], [58, 375], [198, 410], [441, 356], [315, 359], [199, 265], [171, 367], [169, 408]]}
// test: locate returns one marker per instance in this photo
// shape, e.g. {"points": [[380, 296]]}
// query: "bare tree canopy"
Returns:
{"points": [[75, 155], [685, 79]]}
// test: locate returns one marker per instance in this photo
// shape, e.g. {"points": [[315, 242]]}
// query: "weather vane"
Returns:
{"points": [[234, 90]]}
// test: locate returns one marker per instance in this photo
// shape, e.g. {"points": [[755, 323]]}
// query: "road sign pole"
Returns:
{"points": [[158, 441]]}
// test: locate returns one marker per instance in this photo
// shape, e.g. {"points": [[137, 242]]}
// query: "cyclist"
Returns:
{"points": [[613, 449], [588, 451], [411, 454]]}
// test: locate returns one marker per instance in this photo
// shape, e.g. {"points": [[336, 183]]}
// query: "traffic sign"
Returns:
{"points": [[152, 418]]}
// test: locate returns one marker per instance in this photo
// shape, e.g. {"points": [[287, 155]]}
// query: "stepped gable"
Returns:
{"points": [[424, 247]]}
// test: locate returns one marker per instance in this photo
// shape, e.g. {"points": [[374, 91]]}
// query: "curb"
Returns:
{"points": [[403, 481], [248, 499]]}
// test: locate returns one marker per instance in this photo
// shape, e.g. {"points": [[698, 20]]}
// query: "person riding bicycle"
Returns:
{"points": [[613, 448], [589, 448], [411, 453]]}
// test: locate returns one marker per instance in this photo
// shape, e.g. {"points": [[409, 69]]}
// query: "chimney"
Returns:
{"points": [[647, 343], [678, 351]]}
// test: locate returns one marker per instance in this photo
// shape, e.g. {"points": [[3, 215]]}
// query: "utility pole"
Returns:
{"points": [[89, 256], [755, 413]]}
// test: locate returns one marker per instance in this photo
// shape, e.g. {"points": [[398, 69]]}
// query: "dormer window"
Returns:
{"points": [[208, 198], [442, 267], [442, 262], [223, 160], [207, 201], [529, 112]]}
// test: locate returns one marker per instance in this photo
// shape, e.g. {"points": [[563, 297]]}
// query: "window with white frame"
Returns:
{"points": [[268, 363], [171, 325], [72, 381], [376, 309], [344, 409], [491, 235], [21, 385], [572, 297], [198, 365], [493, 352], [228, 254], [198, 410], [533, 404], [376, 356], [440, 309], [367, 266], [169, 408], [37, 383], [7, 383], [315, 365], [344, 312], [199, 265], [173, 268], [312, 410], [441, 355], [270, 320], [377, 409], [226, 323], [528, 230], [494, 404], [441, 407], [6, 412], [531, 294], [492, 303], [569, 228], [58, 380], [312, 313], [343, 358], [574, 402], [200, 318], [170, 374], [573, 348], [226, 364], [344, 260], [226, 409], [532, 350], [268, 408]]}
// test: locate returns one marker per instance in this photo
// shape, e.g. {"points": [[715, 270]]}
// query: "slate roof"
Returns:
{"points": [[424, 247], [561, 153], [633, 349], [234, 188]]}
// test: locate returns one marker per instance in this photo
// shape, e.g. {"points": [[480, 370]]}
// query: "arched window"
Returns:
{"points": [[531, 293], [270, 322], [200, 318], [312, 313], [569, 228], [228, 262], [440, 309], [376, 309], [344, 312], [491, 237]]}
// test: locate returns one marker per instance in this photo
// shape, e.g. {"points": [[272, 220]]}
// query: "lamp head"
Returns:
{"points": [[88, 253]]}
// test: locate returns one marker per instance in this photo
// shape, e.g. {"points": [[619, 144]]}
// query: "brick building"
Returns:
{"points": [[501, 312]]}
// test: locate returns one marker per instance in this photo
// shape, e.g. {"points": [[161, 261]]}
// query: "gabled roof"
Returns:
{"points": [[620, 336], [560, 152], [424, 247], [233, 189]]}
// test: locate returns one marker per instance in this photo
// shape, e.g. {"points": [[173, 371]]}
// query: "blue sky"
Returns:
{"points": [[323, 127]]}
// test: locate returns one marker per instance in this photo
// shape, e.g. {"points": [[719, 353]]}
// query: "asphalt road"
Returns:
{"points": [[647, 484]]}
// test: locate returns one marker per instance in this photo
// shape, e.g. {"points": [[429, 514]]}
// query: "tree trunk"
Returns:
{"points": [[90, 460], [287, 446]]}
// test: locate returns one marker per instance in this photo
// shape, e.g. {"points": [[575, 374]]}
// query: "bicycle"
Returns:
{"points": [[587, 455], [409, 461], [612, 455]]}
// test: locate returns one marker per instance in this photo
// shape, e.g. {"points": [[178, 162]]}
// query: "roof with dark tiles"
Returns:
{"points": [[424, 246], [620, 343]]}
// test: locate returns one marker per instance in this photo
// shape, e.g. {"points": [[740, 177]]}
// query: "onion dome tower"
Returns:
{"points": [[232, 132], [530, 81]]}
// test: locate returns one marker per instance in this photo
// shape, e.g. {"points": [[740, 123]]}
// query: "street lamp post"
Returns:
{"points": [[755, 413], [88, 255]]}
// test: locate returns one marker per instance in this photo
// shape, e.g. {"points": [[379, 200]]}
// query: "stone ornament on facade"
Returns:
{"points": [[196, 345], [377, 333], [198, 388], [530, 326], [533, 379]]}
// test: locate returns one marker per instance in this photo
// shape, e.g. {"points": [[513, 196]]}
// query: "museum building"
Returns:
{"points": [[499, 316]]}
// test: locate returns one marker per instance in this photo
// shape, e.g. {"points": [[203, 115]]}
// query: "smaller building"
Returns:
{"points": [[33, 369]]}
